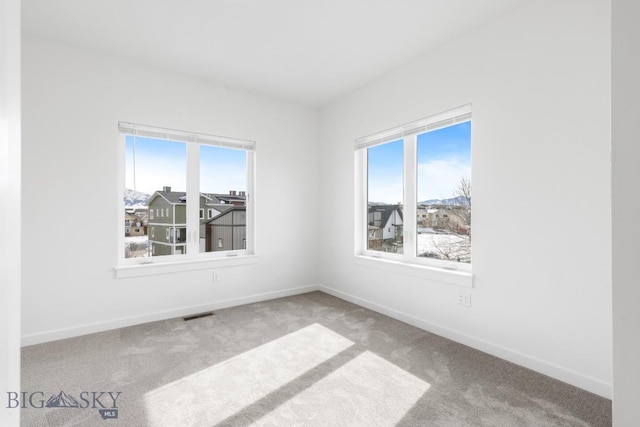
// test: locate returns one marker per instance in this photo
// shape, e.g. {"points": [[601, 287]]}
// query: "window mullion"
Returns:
{"points": [[250, 203], [410, 197], [193, 199]]}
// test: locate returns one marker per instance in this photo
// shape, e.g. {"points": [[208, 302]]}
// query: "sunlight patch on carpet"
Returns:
{"points": [[213, 394], [366, 391]]}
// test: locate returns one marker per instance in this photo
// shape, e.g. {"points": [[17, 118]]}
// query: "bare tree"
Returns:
{"points": [[451, 247], [455, 245], [463, 192]]}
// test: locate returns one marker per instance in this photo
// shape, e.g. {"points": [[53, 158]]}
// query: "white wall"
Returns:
{"points": [[73, 100], [626, 233], [9, 205], [539, 81]]}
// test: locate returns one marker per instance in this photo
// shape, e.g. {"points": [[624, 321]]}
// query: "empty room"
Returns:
{"points": [[336, 213]]}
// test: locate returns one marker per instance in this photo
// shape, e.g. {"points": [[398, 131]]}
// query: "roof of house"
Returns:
{"points": [[226, 210], [175, 197], [386, 210], [229, 198]]}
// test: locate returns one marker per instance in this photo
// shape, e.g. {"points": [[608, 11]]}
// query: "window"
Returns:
{"points": [[414, 192], [175, 176], [209, 213]]}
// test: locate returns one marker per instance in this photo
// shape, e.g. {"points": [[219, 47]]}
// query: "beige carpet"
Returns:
{"points": [[308, 360]]}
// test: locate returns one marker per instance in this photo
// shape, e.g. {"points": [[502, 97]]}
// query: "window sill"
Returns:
{"points": [[139, 270], [451, 277]]}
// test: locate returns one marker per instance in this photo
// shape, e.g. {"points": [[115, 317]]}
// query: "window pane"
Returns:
{"points": [[155, 197], [444, 193], [223, 187], [385, 197]]}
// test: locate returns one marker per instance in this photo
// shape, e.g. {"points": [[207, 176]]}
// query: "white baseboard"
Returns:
{"points": [[91, 328], [550, 369], [558, 372]]}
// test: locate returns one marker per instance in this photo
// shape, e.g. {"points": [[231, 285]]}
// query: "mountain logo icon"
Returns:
{"points": [[62, 400]]}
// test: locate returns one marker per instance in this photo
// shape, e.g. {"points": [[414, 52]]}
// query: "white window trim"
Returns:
{"points": [[191, 264], [193, 259], [450, 272]]}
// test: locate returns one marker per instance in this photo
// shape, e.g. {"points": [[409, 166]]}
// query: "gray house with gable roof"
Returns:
{"points": [[167, 227]]}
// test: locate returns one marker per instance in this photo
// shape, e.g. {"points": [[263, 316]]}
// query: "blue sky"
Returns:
{"points": [[160, 163], [222, 169], [443, 156], [385, 172]]}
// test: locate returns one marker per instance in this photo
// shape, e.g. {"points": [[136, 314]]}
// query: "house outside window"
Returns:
{"points": [[413, 190], [178, 175]]}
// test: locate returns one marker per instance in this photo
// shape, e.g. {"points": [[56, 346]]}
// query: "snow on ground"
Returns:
{"points": [[135, 239], [429, 242], [136, 246]]}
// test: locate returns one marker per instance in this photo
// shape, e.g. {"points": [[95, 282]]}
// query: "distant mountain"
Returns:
{"points": [[62, 400], [454, 201], [381, 204], [135, 198]]}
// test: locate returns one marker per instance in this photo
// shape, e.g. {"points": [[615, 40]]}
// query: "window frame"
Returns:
{"points": [[193, 259], [409, 134]]}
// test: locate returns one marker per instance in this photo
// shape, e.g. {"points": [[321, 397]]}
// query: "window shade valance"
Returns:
{"points": [[183, 136], [437, 121]]}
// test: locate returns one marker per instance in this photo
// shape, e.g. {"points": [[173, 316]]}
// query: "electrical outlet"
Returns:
{"points": [[215, 277], [464, 298]]}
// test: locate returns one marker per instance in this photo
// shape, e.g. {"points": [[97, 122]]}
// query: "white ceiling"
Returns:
{"points": [[307, 51]]}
